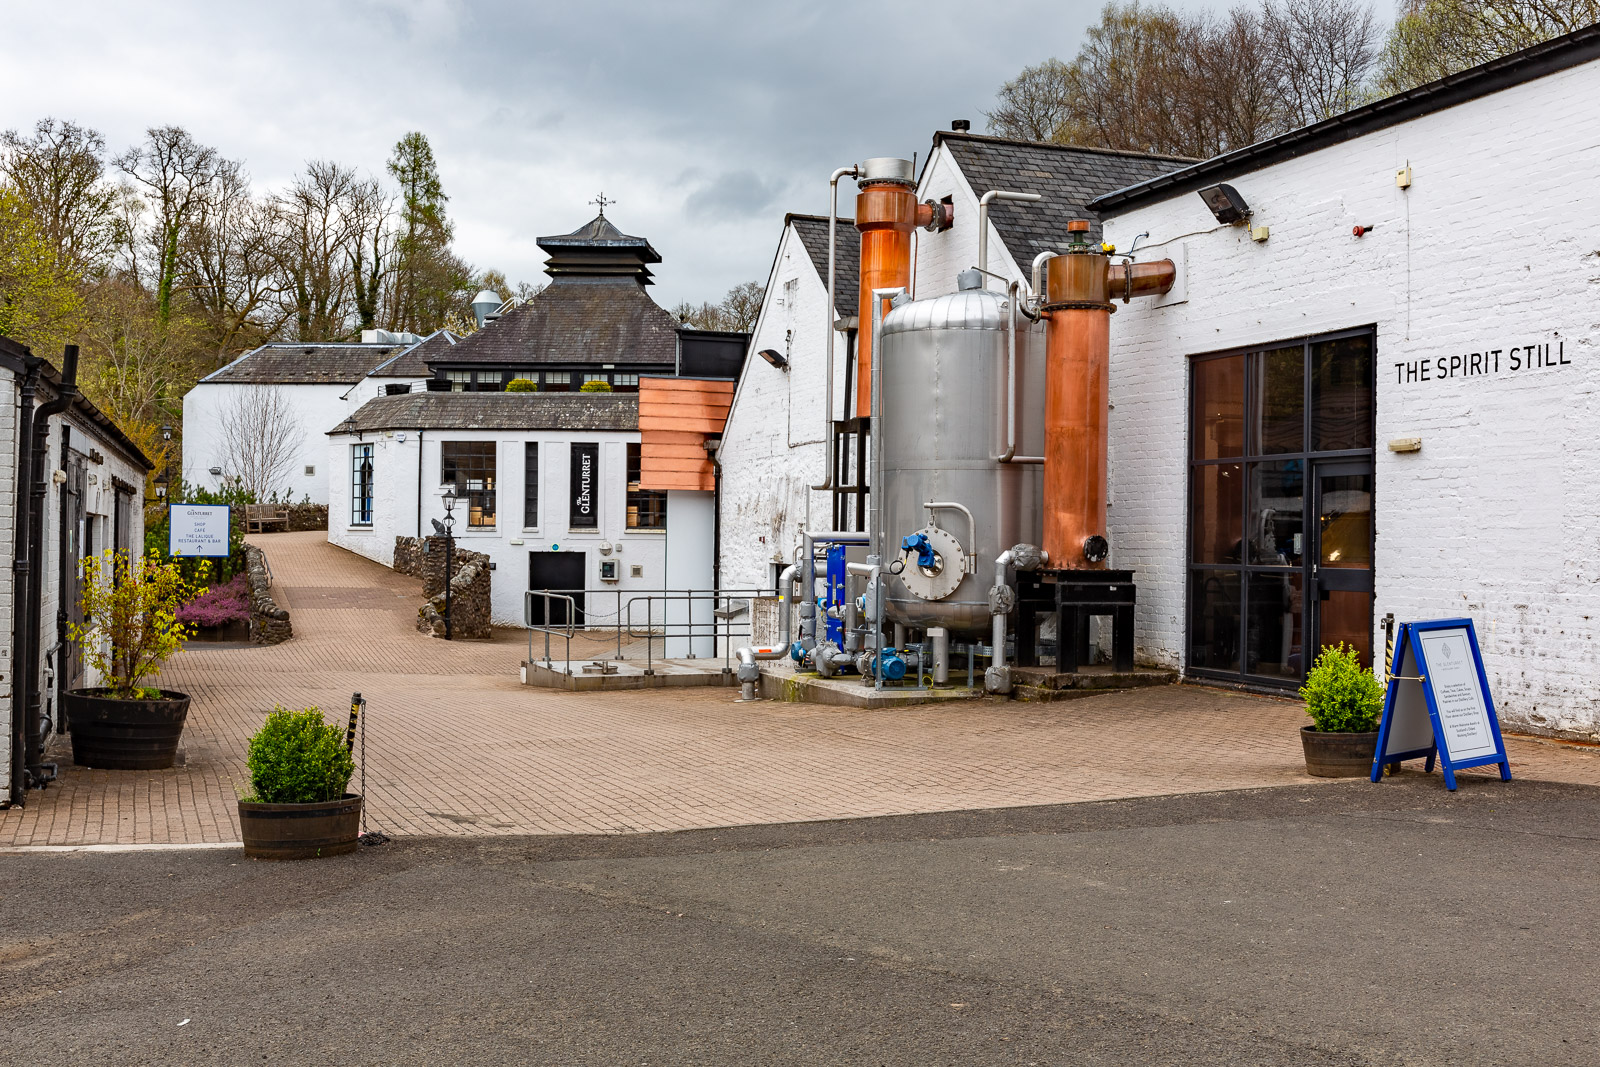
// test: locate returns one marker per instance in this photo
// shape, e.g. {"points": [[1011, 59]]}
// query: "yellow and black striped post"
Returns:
{"points": [[356, 704]]}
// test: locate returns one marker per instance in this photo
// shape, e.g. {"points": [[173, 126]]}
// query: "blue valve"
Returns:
{"points": [[893, 667], [919, 544]]}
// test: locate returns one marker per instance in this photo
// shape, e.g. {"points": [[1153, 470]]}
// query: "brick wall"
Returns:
{"points": [[1493, 247]]}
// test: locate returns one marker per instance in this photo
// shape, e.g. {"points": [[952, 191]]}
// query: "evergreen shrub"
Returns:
{"points": [[522, 385], [595, 387], [1341, 696], [296, 758]]}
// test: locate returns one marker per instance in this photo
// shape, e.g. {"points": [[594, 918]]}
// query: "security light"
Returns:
{"points": [[773, 357], [1225, 203], [216, 470]]}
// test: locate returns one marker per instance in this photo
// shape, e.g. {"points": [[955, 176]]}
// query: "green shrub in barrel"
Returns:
{"points": [[1345, 701], [300, 767]]}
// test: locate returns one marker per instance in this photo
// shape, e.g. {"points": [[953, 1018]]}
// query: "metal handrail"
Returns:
{"points": [[720, 626], [565, 632]]}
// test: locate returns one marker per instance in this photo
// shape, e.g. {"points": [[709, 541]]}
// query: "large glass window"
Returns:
{"points": [[469, 466], [557, 381], [530, 485], [647, 508], [490, 381], [361, 485], [460, 380], [1278, 436]]}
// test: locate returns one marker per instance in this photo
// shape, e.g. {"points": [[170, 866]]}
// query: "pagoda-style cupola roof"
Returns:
{"points": [[598, 250]]}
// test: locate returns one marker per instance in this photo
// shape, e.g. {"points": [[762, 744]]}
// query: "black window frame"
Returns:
{"points": [[361, 483], [1250, 458], [458, 461], [647, 508], [530, 485]]}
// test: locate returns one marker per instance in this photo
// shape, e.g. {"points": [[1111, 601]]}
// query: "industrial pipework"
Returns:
{"points": [[1077, 309]]}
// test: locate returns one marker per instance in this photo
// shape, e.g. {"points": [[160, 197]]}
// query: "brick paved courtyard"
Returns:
{"points": [[457, 746]]}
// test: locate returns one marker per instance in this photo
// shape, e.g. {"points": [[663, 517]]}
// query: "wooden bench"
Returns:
{"points": [[259, 518]]}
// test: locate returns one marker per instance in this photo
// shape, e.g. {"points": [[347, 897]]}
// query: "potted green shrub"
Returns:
{"points": [[1344, 700], [298, 808], [130, 628]]}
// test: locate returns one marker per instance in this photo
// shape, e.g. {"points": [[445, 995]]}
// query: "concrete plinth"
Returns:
{"points": [[618, 675], [1044, 683], [779, 681]]}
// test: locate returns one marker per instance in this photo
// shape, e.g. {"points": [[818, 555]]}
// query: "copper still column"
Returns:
{"points": [[1077, 353], [886, 213]]}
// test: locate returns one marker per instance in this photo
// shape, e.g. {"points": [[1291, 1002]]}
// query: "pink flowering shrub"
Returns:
{"points": [[218, 606]]}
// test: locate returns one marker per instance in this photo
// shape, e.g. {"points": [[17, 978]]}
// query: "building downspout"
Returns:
{"points": [[35, 595], [63, 582], [419, 481], [20, 575]]}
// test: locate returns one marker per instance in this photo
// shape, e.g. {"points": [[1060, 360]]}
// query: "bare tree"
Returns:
{"points": [[1433, 38], [1035, 105], [1322, 52], [316, 231], [60, 172], [260, 440], [737, 311], [227, 266]]}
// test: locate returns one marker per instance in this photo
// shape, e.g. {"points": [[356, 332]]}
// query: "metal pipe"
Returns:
{"points": [[886, 215], [1010, 454], [939, 639], [983, 221], [972, 527], [1037, 297], [749, 674], [998, 678], [1129, 280], [20, 575], [833, 220], [875, 527]]}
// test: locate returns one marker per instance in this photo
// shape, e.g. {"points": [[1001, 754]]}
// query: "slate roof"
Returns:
{"points": [[575, 320], [1068, 176], [1558, 54], [813, 231], [283, 363], [495, 411], [413, 362]]}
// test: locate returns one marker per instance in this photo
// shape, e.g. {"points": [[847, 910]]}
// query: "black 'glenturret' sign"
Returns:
{"points": [[585, 512]]}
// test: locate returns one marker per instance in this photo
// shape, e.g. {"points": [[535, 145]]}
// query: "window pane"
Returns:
{"points": [[1273, 636], [1345, 524], [1280, 401], [557, 381], [1341, 393], [361, 485], [1216, 494], [1214, 620], [1219, 407], [1277, 512], [460, 380], [635, 462], [469, 466], [530, 485]]}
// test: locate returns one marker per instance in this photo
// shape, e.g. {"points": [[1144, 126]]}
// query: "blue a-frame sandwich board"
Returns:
{"points": [[1438, 703]]}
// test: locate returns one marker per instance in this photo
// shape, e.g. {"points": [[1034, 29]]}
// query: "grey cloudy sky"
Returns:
{"points": [[704, 121]]}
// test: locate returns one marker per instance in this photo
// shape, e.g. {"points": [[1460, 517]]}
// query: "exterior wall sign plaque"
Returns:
{"points": [[1512, 359], [585, 509], [198, 530], [1438, 704]]}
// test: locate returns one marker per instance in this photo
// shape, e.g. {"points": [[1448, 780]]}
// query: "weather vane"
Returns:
{"points": [[601, 201]]}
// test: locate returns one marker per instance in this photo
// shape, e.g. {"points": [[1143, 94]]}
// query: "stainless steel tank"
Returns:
{"points": [[944, 409]]}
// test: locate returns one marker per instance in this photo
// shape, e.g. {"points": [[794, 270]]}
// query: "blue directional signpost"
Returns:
{"points": [[1438, 704]]}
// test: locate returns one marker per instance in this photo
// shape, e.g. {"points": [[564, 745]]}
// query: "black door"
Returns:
{"points": [[74, 547], [1341, 559], [556, 572]]}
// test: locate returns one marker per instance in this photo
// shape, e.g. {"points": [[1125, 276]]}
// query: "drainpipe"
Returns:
{"points": [[833, 224], [65, 395], [20, 570], [1002, 599], [983, 221], [419, 485]]}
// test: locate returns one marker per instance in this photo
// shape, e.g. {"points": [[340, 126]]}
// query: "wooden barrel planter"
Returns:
{"points": [[125, 735], [300, 831], [1330, 755]]}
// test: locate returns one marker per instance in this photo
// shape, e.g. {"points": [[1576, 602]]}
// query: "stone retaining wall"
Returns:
{"points": [[308, 516], [469, 588], [269, 624], [408, 556]]}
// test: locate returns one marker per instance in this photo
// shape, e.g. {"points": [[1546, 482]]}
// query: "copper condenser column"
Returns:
{"points": [[886, 213], [1077, 353]]}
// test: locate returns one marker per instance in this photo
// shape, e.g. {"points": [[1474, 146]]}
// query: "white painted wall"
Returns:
{"points": [[318, 409], [395, 497], [773, 445], [691, 521], [1493, 247]]}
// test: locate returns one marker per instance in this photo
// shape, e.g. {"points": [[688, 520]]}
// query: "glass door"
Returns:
{"points": [[1342, 562]]}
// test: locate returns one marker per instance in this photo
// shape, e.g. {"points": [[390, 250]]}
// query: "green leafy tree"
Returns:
{"points": [[40, 302], [130, 619], [1435, 38], [59, 171], [430, 280]]}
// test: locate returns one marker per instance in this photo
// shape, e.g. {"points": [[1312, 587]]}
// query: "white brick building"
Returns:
{"points": [[90, 498], [1264, 411]]}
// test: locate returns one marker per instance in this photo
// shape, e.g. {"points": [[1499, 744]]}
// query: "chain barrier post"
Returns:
{"points": [[368, 837]]}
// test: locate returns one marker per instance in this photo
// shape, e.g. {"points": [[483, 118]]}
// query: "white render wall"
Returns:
{"points": [[1493, 247], [318, 409], [509, 542]]}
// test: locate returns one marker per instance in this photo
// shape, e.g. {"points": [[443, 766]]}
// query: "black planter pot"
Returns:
{"points": [[124, 735], [1338, 755], [300, 831]]}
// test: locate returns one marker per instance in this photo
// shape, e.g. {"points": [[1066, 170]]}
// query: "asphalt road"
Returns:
{"points": [[1338, 924]]}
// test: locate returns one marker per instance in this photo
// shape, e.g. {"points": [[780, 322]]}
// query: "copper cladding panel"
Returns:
{"points": [[1077, 345], [885, 214], [1076, 279]]}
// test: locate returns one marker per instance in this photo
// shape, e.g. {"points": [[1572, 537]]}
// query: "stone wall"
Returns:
{"points": [[308, 516], [269, 624], [408, 556], [469, 593]]}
